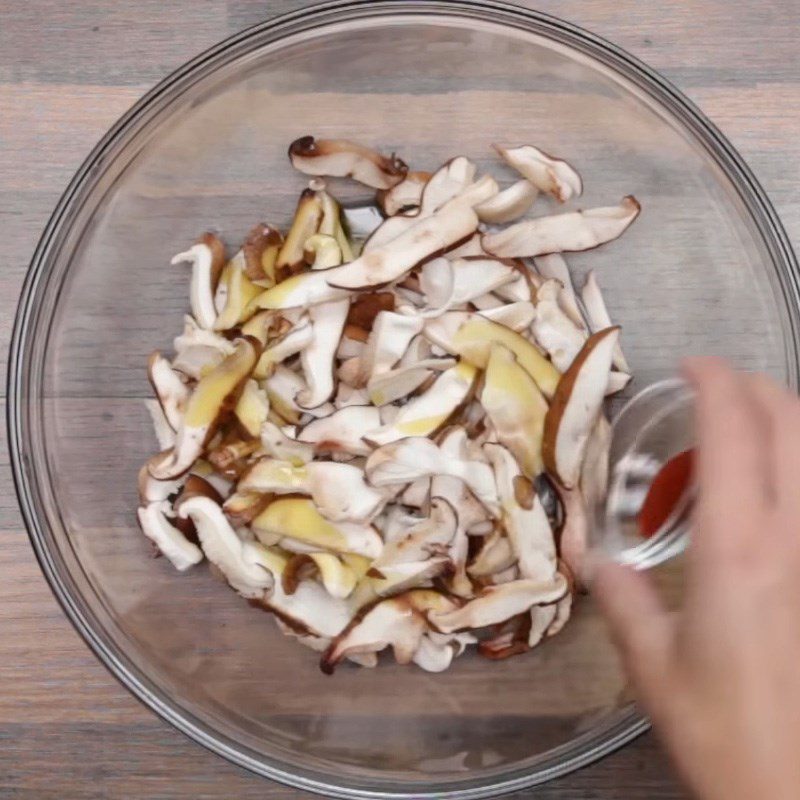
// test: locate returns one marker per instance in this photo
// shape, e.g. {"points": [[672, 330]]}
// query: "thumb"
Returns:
{"points": [[642, 629]]}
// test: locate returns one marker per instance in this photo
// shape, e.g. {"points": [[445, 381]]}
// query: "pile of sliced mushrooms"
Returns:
{"points": [[385, 426]]}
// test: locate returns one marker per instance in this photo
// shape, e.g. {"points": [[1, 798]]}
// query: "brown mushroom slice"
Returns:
{"points": [[338, 490], [240, 291], [252, 408], [398, 622], [387, 387], [241, 508], [496, 604], [416, 457], [198, 350], [278, 444], [260, 252], [472, 335], [429, 411], [524, 517], [365, 307], [516, 408], [553, 265], [207, 258], [429, 235], [165, 434], [548, 174], [562, 233], [155, 524], [495, 555], [405, 195], [599, 317], [306, 222], [509, 204], [210, 400], [170, 390], [202, 469], [298, 519], [249, 567], [341, 158], [343, 431], [553, 330], [317, 358], [517, 316], [290, 344], [575, 407]]}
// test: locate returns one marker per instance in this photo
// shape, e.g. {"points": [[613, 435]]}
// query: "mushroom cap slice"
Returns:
{"points": [[239, 292], [389, 339], [575, 407], [171, 391], [496, 555], [553, 330], [387, 387], [317, 358], [152, 490], [292, 342], [211, 399], [427, 412], [516, 408], [337, 578], [472, 335], [260, 252], [524, 517], [551, 175], [249, 567], [165, 434], [207, 258], [278, 444], [617, 381], [340, 158], [404, 195], [573, 541], [309, 609], [517, 316], [305, 223], [252, 408], [322, 251], [594, 470], [298, 519], [198, 350], [495, 604], [344, 431], [338, 490], [561, 233], [397, 621], [599, 317], [509, 204], [553, 265], [155, 524]]}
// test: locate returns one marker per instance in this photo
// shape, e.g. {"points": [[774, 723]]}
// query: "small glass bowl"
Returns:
{"points": [[707, 268]]}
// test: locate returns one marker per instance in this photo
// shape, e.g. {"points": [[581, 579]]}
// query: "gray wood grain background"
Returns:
{"points": [[67, 71]]}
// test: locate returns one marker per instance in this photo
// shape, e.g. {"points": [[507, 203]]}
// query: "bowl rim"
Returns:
{"points": [[81, 186]]}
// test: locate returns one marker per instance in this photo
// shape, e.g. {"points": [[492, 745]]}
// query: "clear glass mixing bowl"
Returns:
{"points": [[706, 269]]}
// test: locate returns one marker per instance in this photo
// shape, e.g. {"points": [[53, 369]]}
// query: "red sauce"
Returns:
{"points": [[665, 492]]}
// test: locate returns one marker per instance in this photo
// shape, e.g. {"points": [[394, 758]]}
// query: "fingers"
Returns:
{"points": [[641, 628], [732, 453]]}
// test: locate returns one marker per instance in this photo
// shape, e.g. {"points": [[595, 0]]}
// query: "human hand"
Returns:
{"points": [[719, 678]]}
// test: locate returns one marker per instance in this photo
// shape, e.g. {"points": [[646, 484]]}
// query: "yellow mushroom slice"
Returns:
{"points": [[301, 291], [322, 251], [337, 578], [297, 519], [260, 326], [496, 604], [553, 265], [551, 175], [249, 567], [213, 396], [471, 336], [172, 393], [291, 343], [240, 291], [516, 408], [306, 222], [509, 204], [156, 526], [340, 158], [317, 357], [398, 622], [338, 490], [241, 508], [599, 317], [207, 258], [278, 443], [197, 350], [426, 413], [562, 233], [252, 408], [403, 196], [575, 407], [343, 431], [524, 518]]}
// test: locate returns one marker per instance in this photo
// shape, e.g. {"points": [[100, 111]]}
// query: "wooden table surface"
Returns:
{"points": [[67, 71]]}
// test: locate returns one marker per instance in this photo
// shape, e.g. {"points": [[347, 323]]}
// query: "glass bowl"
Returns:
{"points": [[706, 269]]}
